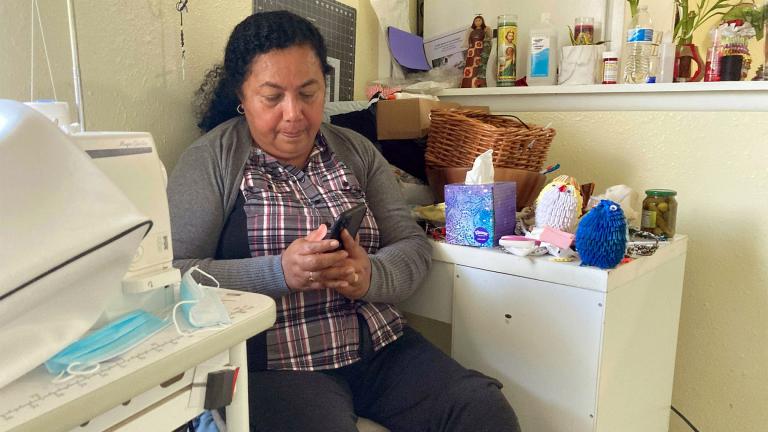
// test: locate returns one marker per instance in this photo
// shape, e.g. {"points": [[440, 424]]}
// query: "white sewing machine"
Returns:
{"points": [[71, 235], [130, 160]]}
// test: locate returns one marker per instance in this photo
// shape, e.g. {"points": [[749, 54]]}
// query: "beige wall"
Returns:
{"points": [[716, 162], [130, 60]]}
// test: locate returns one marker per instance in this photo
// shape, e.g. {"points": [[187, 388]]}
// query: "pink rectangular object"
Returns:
{"points": [[556, 237]]}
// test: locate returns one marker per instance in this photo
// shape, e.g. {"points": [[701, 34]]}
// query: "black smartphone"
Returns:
{"points": [[349, 219]]}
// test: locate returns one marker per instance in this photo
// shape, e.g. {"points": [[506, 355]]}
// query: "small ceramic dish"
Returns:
{"points": [[520, 251], [518, 245], [517, 241]]}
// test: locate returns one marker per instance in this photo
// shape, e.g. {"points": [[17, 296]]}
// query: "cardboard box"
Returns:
{"points": [[478, 215], [405, 118]]}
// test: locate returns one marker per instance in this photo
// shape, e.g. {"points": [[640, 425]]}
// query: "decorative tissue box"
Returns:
{"points": [[478, 215]]}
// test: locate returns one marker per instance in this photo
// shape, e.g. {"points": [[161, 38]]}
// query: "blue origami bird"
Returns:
{"points": [[601, 237]]}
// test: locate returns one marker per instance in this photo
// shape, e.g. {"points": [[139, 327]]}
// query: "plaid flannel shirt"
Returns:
{"points": [[316, 329]]}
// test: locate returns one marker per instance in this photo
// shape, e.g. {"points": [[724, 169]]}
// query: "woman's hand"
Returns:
{"points": [[351, 277], [305, 259]]}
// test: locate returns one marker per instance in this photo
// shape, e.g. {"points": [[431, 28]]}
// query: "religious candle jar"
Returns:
{"points": [[506, 49], [584, 31]]}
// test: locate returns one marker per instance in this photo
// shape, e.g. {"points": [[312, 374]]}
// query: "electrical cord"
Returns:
{"points": [[688, 422]]}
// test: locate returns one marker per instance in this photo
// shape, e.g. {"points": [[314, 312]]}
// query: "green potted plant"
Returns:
{"points": [[687, 21], [749, 12], [579, 62], [582, 40]]}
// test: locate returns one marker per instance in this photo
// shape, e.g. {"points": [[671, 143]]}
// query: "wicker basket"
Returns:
{"points": [[458, 136]]}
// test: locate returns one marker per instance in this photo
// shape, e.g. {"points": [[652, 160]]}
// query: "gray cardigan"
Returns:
{"points": [[206, 180]]}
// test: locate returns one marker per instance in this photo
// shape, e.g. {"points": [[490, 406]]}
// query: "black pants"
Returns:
{"points": [[409, 385]]}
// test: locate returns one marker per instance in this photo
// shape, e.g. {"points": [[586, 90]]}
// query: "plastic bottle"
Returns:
{"points": [[542, 57], [639, 48], [666, 59]]}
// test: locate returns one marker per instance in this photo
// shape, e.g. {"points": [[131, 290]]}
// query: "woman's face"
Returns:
{"points": [[477, 22], [283, 97]]}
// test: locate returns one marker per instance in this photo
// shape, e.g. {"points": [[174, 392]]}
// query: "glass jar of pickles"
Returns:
{"points": [[659, 212]]}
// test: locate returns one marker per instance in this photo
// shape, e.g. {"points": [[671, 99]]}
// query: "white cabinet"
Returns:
{"points": [[542, 340], [577, 348]]}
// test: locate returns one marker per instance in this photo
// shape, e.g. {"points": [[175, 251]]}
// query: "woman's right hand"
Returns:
{"points": [[306, 257]]}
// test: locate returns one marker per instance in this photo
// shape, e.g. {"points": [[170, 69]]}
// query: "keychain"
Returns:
{"points": [[181, 6]]}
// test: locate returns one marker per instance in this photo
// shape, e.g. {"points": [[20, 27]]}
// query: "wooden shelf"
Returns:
{"points": [[701, 96]]}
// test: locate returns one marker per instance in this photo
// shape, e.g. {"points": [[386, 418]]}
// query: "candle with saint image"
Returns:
{"points": [[507, 51], [584, 31]]}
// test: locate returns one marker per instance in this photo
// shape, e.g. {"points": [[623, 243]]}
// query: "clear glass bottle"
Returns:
{"points": [[714, 52], [659, 212]]}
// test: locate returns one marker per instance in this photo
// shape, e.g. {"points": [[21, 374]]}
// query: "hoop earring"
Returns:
{"points": [[240, 109]]}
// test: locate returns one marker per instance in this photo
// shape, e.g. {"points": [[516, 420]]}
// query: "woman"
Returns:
{"points": [[249, 203]]}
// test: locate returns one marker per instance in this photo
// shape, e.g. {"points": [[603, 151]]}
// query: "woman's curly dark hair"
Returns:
{"points": [[258, 34]]}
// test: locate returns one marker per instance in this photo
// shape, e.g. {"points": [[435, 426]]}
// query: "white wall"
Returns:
{"points": [[716, 162], [130, 60]]}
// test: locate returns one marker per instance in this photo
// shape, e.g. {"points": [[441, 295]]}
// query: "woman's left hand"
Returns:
{"points": [[351, 277]]}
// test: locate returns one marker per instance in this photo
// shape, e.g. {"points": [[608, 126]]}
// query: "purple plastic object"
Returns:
{"points": [[407, 49]]}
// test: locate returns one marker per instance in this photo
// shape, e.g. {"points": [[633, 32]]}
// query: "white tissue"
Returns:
{"points": [[628, 199], [482, 169]]}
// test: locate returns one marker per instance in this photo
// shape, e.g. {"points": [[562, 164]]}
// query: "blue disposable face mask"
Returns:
{"points": [[84, 355], [202, 308], [201, 304]]}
